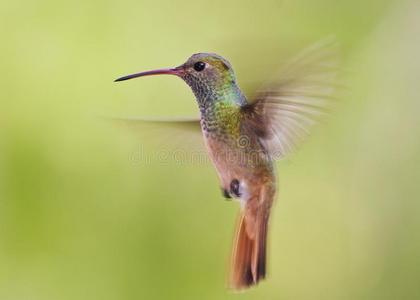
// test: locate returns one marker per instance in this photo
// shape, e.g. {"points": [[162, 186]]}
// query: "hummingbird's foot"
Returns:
{"points": [[226, 194], [234, 188]]}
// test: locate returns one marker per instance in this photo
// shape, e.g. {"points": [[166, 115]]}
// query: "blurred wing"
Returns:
{"points": [[173, 135], [285, 111], [189, 124]]}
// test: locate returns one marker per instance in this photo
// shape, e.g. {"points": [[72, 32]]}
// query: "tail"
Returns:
{"points": [[248, 264]]}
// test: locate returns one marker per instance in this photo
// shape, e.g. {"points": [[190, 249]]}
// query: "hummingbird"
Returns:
{"points": [[245, 137]]}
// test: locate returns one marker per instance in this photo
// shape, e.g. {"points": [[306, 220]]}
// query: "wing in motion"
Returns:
{"points": [[284, 112], [188, 124], [181, 137]]}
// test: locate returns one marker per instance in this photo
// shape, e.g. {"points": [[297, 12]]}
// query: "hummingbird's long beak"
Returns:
{"points": [[170, 71]]}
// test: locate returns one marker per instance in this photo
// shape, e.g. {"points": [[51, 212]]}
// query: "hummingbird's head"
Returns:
{"points": [[206, 73]]}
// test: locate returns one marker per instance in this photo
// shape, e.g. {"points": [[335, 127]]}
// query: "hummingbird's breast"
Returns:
{"points": [[237, 154]]}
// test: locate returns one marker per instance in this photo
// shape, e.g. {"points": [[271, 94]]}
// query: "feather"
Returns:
{"points": [[284, 112]]}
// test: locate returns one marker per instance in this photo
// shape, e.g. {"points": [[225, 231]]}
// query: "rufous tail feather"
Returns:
{"points": [[248, 265]]}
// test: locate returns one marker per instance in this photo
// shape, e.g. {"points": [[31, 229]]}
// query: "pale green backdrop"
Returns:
{"points": [[82, 216]]}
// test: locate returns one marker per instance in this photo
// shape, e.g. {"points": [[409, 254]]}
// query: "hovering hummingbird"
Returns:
{"points": [[243, 138]]}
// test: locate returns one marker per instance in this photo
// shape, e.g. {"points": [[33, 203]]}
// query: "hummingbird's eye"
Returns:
{"points": [[199, 66]]}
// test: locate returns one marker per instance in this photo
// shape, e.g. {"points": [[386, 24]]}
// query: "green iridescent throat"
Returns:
{"points": [[221, 109]]}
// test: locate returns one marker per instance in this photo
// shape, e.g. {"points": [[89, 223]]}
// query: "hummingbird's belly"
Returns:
{"points": [[241, 165]]}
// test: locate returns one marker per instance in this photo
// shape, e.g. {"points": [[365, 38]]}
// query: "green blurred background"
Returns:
{"points": [[80, 219]]}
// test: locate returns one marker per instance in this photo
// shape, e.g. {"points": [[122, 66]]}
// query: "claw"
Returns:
{"points": [[226, 194]]}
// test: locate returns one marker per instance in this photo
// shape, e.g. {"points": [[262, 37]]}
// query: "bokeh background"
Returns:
{"points": [[82, 216]]}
